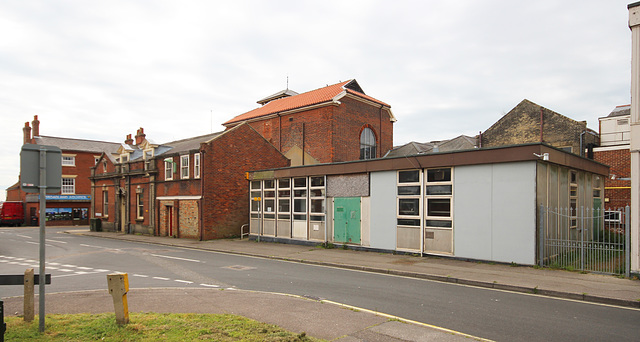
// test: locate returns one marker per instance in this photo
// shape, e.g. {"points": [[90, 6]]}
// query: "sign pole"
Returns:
{"points": [[43, 213]]}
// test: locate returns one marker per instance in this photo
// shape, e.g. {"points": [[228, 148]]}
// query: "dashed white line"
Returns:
{"points": [[172, 257], [24, 236], [141, 275], [58, 241], [160, 278], [183, 281], [209, 285]]}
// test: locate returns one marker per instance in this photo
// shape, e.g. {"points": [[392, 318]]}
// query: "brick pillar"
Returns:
{"points": [[36, 126], [26, 130]]}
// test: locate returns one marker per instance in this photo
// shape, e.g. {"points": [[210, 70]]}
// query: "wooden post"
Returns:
{"points": [[28, 295], [118, 288]]}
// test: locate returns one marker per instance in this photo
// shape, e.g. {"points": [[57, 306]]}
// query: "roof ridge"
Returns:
{"points": [[76, 139]]}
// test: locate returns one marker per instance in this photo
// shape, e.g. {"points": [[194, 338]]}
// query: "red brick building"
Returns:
{"points": [[615, 151], [332, 124], [71, 206], [191, 188]]}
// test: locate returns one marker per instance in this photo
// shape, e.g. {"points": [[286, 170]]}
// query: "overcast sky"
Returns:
{"points": [[101, 69]]}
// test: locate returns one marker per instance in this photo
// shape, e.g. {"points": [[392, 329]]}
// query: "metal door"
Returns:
{"points": [[346, 219]]}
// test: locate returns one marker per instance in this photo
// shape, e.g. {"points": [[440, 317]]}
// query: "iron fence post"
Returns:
{"points": [[627, 241], [541, 237]]}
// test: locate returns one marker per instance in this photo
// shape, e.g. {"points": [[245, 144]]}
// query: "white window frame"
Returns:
{"points": [[168, 169], [68, 160], [315, 197], [105, 203], [573, 197], [184, 166], [70, 187], [417, 196], [140, 206], [196, 165], [428, 197]]}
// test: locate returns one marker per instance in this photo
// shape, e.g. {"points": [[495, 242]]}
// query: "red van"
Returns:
{"points": [[11, 214]]}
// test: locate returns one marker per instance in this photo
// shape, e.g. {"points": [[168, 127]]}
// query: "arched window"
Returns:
{"points": [[367, 144]]}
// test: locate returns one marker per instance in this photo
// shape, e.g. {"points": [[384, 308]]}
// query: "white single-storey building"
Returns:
{"points": [[480, 204]]}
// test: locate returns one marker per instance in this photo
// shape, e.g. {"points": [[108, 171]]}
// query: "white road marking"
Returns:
{"points": [[58, 241], [183, 281], [209, 285], [141, 275], [24, 236], [172, 257], [160, 278]]}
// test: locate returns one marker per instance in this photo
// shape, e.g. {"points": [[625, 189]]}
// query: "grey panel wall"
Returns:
{"points": [[383, 210], [495, 212], [348, 185]]}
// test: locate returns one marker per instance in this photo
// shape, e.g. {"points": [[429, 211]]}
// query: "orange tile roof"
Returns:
{"points": [[298, 101]]}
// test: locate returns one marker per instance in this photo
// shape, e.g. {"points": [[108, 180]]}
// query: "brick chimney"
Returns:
{"points": [[27, 133], [140, 136], [129, 140], [36, 126]]}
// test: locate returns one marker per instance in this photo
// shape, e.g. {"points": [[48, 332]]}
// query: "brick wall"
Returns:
{"points": [[522, 125], [225, 161], [617, 191], [330, 133], [188, 219]]}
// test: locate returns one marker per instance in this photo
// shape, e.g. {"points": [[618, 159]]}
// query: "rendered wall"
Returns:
{"points": [[495, 212], [383, 210]]}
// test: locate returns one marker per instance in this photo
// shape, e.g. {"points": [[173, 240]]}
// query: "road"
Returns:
{"points": [[81, 263]]}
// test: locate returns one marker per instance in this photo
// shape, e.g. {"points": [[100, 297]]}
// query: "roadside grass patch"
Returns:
{"points": [[149, 327]]}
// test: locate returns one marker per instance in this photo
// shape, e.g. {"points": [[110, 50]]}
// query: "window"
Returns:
{"points": [[317, 199], [269, 202], [184, 167], [105, 203], [367, 144], [284, 199], [168, 169], [255, 198], [300, 198], [104, 167], [124, 158], [438, 198], [68, 185], [196, 165], [408, 198], [68, 160], [597, 186], [96, 160], [612, 216], [140, 205]]}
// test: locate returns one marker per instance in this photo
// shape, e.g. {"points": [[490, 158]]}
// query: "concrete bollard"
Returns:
{"points": [[28, 305], [118, 288]]}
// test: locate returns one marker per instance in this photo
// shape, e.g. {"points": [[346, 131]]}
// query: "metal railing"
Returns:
{"points": [[585, 239]]}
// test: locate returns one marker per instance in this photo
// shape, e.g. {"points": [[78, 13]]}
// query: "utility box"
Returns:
{"points": [[95, 225]]}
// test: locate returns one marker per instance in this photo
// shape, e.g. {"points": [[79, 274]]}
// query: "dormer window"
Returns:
{"points": [[124, 158], [148, 154]]}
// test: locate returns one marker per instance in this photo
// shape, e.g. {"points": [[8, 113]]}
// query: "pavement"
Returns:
{"points": [[334, 321]]}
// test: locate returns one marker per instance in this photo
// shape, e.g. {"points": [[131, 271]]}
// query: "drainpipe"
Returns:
{"points": [[303, 143], [380, 119], [541, 123], [200, 210]]}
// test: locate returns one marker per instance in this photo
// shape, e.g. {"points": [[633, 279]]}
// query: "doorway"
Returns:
{"points": [[346, 220]]}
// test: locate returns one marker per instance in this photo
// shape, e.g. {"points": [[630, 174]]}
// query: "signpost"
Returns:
{"points": [[41, 171]]}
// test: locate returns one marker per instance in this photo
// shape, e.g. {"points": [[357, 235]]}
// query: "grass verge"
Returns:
{"points": [[148, 327]]}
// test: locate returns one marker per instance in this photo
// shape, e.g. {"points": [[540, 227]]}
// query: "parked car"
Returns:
{"points": [[11, 214]]}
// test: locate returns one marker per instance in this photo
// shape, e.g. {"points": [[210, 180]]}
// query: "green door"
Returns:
{"points": [[346, 219]]}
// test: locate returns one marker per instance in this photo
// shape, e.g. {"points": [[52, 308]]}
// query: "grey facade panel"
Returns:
{"points": [[348, 185], [494, 212], [383, 210]]}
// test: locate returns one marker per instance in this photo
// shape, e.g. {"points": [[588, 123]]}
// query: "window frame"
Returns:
{"points": [[140, 206], [368, 144], [168, 169], [70, 160], [105, 203], [196, 165], [429, 215], [401, 197], [68, 189], [184, 166]]}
